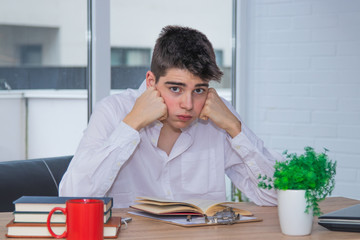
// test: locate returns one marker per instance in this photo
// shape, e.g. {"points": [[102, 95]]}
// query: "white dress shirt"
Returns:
{"points": [[115, 160]]}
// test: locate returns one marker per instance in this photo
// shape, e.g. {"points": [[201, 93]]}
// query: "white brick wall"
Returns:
{"points": [[304, 80]]}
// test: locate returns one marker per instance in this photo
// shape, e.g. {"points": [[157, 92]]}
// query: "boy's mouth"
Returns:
{"points": [[184, 117]]}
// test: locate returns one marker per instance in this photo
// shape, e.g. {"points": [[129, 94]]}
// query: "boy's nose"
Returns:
{"points": [[186, 102]]}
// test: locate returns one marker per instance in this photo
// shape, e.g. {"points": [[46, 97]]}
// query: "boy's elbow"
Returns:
{"points": [[265, 198]]}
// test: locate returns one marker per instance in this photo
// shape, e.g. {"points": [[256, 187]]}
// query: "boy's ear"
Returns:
{"points": [[150, 79]]}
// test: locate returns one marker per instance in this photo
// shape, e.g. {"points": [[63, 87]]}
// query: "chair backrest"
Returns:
{"points": [[35, 177]]}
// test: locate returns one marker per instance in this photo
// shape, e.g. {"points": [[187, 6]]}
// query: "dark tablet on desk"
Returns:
{"points": [[346, 219]]}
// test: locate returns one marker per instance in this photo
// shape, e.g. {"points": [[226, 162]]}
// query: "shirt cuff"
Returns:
{"points": [[124, 135], [247, 151]]}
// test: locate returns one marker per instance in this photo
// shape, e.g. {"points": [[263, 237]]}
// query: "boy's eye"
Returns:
{"points": [[199, 90], [175, 89]]}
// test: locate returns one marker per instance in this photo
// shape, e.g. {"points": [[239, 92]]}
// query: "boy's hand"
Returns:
{"points": [[220, 114], [150, 106]]}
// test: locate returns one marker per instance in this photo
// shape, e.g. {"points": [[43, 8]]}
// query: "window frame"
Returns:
{"points": [[98, 66]]}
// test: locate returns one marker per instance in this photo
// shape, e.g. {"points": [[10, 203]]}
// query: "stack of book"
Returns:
{"points": [[31, 214]]}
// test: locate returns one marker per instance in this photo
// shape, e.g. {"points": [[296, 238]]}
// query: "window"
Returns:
{"points": [[219, 57], [43, 62], [30, 55], [130, 57], [43, 49], [145, 28]]}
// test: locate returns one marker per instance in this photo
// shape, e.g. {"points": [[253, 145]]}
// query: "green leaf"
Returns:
{"points": [[311, 171]]}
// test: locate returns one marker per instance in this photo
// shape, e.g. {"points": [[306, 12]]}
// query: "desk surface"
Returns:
{"points": [[269, 228]]}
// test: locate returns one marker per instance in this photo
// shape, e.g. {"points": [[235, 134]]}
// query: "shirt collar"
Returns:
{"points": [[153, 131]]}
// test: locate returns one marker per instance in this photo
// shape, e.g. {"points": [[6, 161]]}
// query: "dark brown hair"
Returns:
{"points": [[184, 48]]}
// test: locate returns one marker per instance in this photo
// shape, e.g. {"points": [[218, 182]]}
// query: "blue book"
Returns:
{"points": [[47, 203]]}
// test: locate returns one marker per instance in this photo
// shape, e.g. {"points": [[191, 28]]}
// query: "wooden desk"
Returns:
{"points": [[143, 228]]}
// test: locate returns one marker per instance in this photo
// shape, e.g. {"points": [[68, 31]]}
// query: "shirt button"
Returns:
{"points": [[134, 142], [168, 193], [245, 151], [237, 147], [118, 164]]}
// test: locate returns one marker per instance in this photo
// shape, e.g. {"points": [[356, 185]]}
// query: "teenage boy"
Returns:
{"points": [[172, 138]]}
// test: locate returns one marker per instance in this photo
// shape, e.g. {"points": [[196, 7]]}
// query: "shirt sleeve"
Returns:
{"points": [[106, 145], [246, 158]]}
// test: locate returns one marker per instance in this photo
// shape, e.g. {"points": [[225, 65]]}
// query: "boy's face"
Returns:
{"points": [[184, 95]]}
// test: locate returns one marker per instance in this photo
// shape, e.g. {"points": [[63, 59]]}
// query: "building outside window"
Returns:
{"points": [[136, 41], [219, 57], [43, 62], [30, 55], [130, 56]]}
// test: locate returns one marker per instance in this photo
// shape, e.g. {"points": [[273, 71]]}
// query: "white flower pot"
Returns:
{"points": [[291, 208]]}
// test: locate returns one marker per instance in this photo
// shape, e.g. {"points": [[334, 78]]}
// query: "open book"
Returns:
{"points": [[188, 207]]}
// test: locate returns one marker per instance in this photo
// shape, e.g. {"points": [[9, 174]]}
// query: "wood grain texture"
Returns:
{"points": [[269, 228]]}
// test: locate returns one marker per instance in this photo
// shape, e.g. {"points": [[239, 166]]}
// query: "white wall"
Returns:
{"points": [[55, 123], [40, 13], [304, 80], [12, 126]]}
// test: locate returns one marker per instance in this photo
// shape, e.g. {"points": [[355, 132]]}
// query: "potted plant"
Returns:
{"points": [[302, 182]]}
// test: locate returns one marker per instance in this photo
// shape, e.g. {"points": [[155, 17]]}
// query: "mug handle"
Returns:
{"points": [[48, 222]]}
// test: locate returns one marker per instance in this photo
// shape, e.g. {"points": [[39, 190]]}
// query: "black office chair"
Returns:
{"points": [[35, 177]]}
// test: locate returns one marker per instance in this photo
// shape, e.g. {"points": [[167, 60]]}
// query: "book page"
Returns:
{"points": [[208, 207], [155, 209], [202, 204], [167, 202]]}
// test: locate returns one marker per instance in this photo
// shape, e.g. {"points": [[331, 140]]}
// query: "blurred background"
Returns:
{"points": [[292, 69]]}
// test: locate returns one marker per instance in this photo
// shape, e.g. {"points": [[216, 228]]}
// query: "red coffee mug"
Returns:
{"points": [[84, 220]]}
